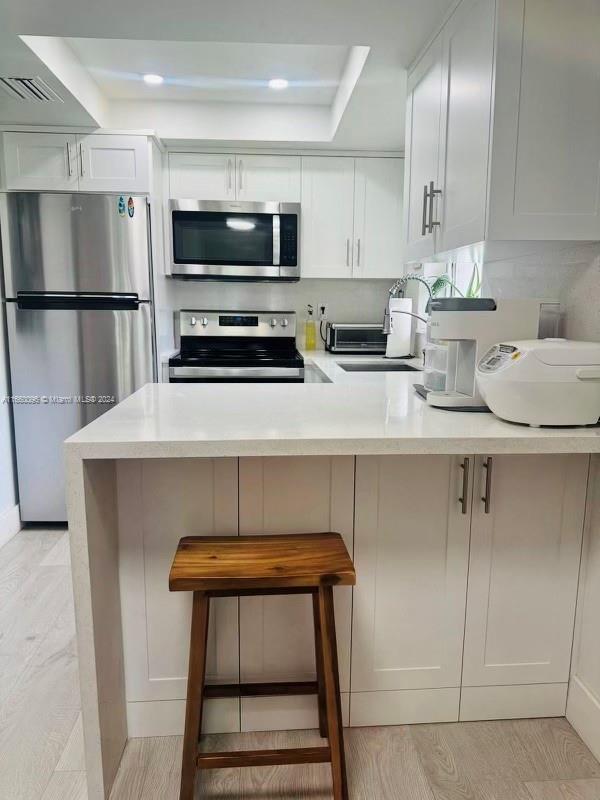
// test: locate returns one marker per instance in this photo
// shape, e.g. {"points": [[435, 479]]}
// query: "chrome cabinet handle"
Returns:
{"points": [[241, 178], [358, 253], [82, 157], [424, 226], [229, 174], [432, 193], [69, 163], [347, 252], [487, 498], [465, 485]]}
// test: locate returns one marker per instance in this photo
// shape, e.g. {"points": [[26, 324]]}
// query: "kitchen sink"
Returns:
{"points": [[376, 366]]}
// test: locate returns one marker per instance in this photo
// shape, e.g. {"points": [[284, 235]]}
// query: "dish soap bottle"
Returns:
{"points": [[310, 331]]}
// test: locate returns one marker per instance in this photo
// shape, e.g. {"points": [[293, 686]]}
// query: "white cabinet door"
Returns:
{"points": [[524, 568], [159, 502], [291, 495], [40, 162], [468, 42], [545, 180], [411, 554], [423, 111], [111, 163], [264, 178], [378, 229], [202, 176], [327, 217]]}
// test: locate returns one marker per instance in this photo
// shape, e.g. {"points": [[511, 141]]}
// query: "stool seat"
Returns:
{"points": [[220, 564]]}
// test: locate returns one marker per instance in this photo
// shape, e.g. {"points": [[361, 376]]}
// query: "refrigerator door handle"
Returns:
{"points": [[73, 301]]}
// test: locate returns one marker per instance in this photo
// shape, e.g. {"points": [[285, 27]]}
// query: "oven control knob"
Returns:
{"points": [[192, 321], [284, 323], [273, 323], [204, 322]]}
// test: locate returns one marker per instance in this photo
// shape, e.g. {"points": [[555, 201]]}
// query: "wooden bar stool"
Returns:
{"points": [[222, 566]]}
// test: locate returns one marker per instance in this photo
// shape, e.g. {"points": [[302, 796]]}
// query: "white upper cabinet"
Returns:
{"points": [[40, 161], [545, 176], [378, 234], [113, 163], [202, 176], [422, 149], [518, 145], [351, 219], [327, 217], [268, 178], [60, 162], [524, 567], [222, 176], [468, 44]]}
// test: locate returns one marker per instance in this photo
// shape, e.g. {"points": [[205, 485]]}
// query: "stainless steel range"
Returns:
{"points": [[236, 347]]}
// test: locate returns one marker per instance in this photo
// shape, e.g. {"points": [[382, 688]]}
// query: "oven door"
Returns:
{"points": [[239, 241]]}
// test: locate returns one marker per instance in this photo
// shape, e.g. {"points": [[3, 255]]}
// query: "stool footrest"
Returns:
{"points": [[276, 689], [264, 758]]}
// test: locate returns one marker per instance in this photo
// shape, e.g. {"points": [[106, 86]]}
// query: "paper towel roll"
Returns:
{"points": [[399, 340]]}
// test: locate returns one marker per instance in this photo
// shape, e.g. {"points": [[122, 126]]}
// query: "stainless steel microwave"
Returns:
{"points": [[235, 241]]}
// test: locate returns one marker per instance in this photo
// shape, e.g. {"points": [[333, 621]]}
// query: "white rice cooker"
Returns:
{"points": [[542, 381]]}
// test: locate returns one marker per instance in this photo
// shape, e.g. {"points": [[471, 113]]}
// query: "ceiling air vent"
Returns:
{"points": [[30, 89]]}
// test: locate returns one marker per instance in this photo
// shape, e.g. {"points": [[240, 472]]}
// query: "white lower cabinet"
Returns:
{"points": [[159, 502], [291, 495], [411, 556], [523, 577], [462, 608]]}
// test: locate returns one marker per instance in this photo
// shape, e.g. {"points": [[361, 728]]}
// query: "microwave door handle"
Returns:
{"points": [[276, 240]]}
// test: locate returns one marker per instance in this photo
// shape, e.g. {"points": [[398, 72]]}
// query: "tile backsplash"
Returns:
{"points": [[570, 276], [347, 300]]}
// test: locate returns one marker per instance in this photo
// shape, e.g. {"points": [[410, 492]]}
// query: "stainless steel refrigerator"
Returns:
{"points": [[78, 294]]}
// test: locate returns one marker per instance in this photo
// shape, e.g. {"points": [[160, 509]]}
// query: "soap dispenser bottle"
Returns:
{"points": [[310, 330]]}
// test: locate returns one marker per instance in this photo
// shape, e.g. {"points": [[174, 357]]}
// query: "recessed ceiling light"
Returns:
{"points": [[278, 83], [153, 80]]}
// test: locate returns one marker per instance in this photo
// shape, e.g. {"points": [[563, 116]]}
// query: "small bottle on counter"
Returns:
{"points": [[310, 330]]}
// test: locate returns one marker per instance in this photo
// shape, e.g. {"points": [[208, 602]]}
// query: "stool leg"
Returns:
{"points": [[195, 691], [319, 664], [332, 688]]}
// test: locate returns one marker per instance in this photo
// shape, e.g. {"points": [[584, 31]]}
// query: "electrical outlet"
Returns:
{"points": [[322, 310]]}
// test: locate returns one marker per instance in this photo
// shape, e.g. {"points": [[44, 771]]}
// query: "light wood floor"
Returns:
{"points": [[41, 743]]}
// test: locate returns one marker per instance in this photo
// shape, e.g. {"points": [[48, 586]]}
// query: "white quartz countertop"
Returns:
{"points": [[357, 413]]}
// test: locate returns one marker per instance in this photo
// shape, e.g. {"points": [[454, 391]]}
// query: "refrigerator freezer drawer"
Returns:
{"points": [[67, 368]]}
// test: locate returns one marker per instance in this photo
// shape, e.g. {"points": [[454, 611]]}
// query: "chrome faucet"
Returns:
{"points": [[397, 290]]}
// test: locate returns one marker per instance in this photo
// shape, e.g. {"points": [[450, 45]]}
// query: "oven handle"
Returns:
{"points": [[236, 372], [276, 240]]}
